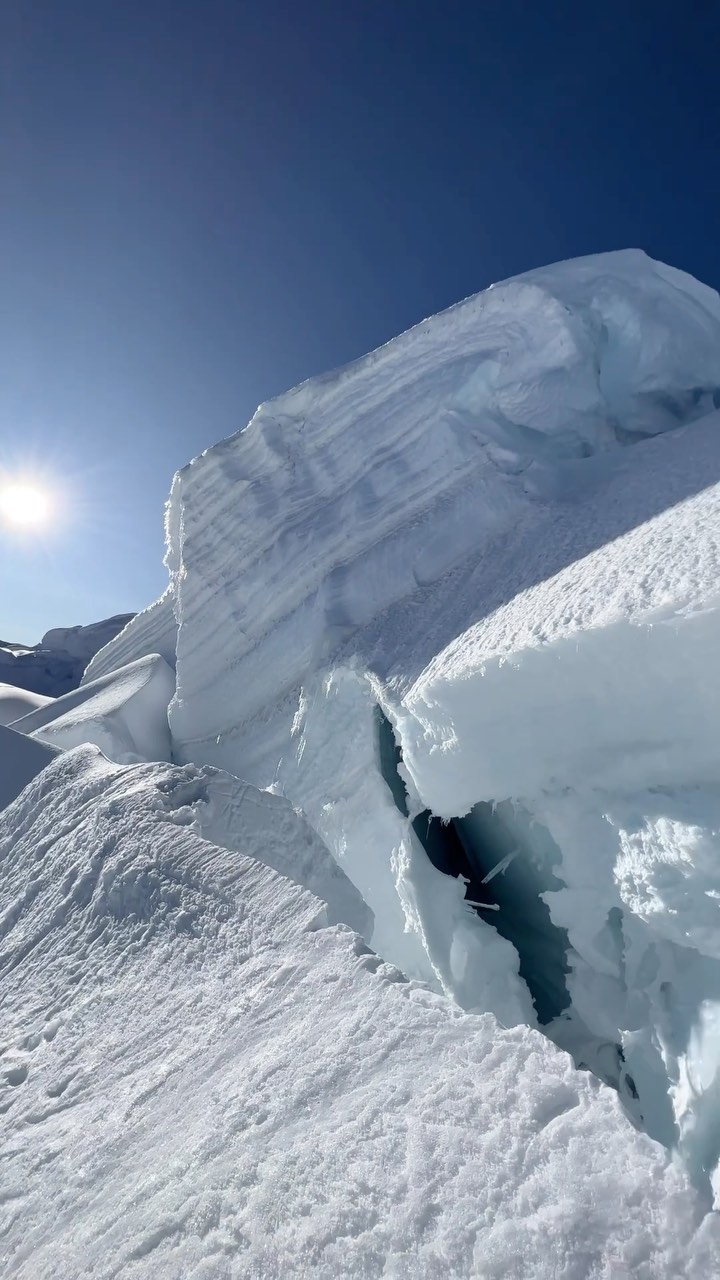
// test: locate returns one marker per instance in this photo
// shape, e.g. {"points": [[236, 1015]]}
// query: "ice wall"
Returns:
{"points": [[355, 491]]}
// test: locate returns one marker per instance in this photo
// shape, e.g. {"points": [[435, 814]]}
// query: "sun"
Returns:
{"points": [[24, 504]]}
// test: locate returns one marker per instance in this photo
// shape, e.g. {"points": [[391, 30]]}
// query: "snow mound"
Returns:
{"points": [[236, 816], [15, 702], [199, 1074], [82, 642], [21, 760], [123, 713]]}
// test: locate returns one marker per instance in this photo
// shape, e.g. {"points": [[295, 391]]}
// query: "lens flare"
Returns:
{"points": [[24, 504]]}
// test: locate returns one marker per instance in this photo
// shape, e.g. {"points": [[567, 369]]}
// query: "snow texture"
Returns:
{"points": [[202, 1077], [151, 631]]}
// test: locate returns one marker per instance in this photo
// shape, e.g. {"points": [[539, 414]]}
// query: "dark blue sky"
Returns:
{"points": [[206, 201]]}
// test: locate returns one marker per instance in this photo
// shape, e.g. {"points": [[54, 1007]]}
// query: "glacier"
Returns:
{"points": [[56, 664], [449, 614]]}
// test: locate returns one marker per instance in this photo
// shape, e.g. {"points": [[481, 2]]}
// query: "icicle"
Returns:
{"points": [[502, 865]]}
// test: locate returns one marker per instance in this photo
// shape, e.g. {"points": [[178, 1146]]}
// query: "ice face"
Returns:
{"points": [[504, 871]]}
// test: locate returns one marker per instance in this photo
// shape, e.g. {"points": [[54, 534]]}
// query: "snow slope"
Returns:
{"points": [[21, 760], [152, 631], [15, 702], [620, 639], [201, 1077], [123, 713]]}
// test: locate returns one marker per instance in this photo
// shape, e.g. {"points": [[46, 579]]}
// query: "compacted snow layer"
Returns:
{"points": [[600, 672], [358, 490], [123, 713], [201, 1077]]}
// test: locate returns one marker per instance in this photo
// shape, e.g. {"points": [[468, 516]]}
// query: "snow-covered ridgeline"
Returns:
{"points": [[55, 665]]}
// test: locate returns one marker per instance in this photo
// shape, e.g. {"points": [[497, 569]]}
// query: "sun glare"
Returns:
{"points": [[23, 504]]}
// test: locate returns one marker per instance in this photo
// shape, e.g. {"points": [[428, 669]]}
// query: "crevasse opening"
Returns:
{"points": [[508, 862]]}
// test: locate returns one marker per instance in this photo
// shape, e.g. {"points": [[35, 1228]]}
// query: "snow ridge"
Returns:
{"points": [[331, 1114]]}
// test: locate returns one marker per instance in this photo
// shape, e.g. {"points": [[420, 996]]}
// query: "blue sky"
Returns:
{"points": [[206, 201]]}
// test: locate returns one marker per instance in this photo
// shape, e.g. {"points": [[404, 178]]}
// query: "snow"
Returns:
{"points": [[472, 577], [15, 702], [21, 760], [56, 664], [353, 491], [502, 530], [151, 631], [326, 557], [123, 713], [202, 1077], [83, 642], [616, 639]]}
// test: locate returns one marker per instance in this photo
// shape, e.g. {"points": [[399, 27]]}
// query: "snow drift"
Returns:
{"points": [[21, 760], [15, 702], [123, 713]]}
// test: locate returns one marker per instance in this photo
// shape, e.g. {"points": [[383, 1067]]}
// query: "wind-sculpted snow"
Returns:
{"points": [[591, 698], [601, 671], [15, 702], [123, 713], [355, 491], [200, 1077], [152, 631]]}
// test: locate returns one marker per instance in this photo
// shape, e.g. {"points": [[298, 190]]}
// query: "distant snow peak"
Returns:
{"points": [[55, 665]]}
